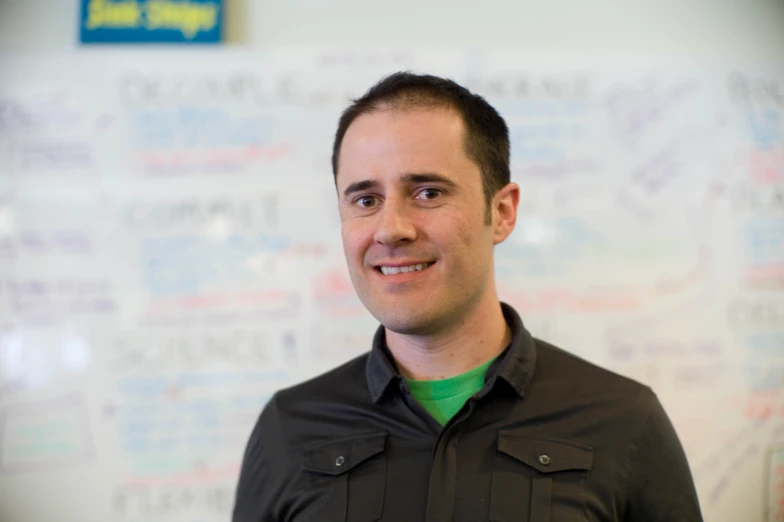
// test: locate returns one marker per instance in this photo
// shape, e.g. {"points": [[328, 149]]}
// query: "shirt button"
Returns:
{"points": [[340, 461], [544, 460]]}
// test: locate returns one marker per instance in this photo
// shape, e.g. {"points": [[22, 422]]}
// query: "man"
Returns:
{"points": [[456, 413]]}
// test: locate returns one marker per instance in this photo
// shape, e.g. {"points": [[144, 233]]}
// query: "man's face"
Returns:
{"points": [[410, 198]]}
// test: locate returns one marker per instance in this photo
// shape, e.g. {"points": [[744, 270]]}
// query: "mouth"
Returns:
{"points": [[396, 270]]}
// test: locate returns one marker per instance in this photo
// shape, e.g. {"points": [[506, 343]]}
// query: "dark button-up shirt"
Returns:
{"points": [[550, 437]]}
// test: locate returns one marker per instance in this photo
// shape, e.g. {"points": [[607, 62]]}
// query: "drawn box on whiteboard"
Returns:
{"points": [[45, 435], [774, 485]]}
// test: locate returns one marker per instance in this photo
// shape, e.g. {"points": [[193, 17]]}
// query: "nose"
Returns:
{"points": [[394, 225]]}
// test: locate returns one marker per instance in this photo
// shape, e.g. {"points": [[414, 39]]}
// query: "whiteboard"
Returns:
{"points": [[170, 256]]}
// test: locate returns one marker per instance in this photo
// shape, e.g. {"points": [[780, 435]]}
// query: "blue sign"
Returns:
{"points": [[151, 21]]}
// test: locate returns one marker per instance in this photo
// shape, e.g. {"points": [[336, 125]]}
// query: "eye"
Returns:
{"points": [[365, 201], [429, 193]]}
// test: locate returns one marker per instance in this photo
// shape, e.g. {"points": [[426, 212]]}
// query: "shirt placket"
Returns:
{"points": [[444, 472]]}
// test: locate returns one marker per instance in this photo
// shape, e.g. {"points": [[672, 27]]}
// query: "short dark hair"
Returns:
{"points": [[486, 133]]}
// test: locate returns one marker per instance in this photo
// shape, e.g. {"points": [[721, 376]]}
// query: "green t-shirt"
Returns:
{"points": [[443, 398]]}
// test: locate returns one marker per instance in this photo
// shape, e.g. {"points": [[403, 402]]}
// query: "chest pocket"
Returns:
{"points": [[539, 480], [345, 479]]}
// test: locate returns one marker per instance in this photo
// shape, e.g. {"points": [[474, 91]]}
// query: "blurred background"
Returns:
{"points": [[170, 246]]}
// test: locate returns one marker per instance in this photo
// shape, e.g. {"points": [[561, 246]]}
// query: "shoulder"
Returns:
{"points": [[562, 369], [577, 400], [589, 398], [292, 420], [301, 414], [341, 383]]}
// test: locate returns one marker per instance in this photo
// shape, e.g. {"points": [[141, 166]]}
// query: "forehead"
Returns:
{"points": [[397, 140], [392, 117]]}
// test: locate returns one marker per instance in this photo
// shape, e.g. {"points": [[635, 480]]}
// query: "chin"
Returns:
{"points": [[404, 322]]}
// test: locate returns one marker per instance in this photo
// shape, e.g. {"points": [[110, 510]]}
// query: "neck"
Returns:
{"points": [[479, 336]]}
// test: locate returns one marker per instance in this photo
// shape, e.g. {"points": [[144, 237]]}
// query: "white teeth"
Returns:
{"points": [[389, 270]]}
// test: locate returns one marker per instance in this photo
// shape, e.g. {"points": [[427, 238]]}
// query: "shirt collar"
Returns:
{"points": [[515, 365]]}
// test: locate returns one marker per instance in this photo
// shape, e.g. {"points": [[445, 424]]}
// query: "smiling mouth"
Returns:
{"points": [[392, 270]]}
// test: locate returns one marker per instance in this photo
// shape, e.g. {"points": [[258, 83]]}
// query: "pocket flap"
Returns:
{"points": [[339, 456], [546, 455]]}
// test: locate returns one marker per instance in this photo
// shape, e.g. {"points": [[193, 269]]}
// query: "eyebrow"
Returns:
{"points": [[408, 179]]}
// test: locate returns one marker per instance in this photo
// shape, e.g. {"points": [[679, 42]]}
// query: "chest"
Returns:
{"points": [[493, 475]]}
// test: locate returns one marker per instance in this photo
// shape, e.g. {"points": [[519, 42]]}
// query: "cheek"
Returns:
{"points": [[353, 240], [472, 243], [467, 231]]}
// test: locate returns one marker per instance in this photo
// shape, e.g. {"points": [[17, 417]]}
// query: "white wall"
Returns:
{"points": [[746, 29]]}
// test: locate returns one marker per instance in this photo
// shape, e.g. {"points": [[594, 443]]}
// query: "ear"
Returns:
{"points": [[505, 211]]}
